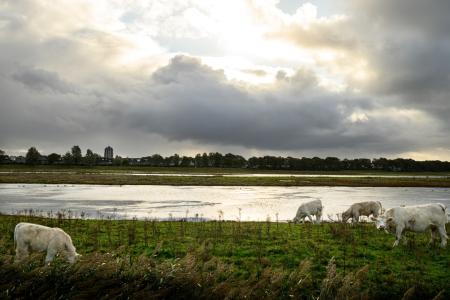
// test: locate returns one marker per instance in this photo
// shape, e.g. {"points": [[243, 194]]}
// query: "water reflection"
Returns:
{"points": [[255, 203]]}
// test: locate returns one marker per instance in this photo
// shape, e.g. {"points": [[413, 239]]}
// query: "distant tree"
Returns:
{"points": [[205, 160], [98, 158], [233, 161], [186, 161], [32, 157], [76, 155], [117, 161], [215, 159], [67, 158], [333, 164], [89, 159], [229, 160], [52, 158], [239, 162], [3, 156], [318, 164], [253, 162], [381, 164], [156, 160], [173, 161], [271, 162], [198, 160], [364, 163]]}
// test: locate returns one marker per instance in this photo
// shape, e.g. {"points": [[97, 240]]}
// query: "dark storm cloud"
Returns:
{"points": [[408, 45], [189, 101], [413, 16], [417, 72], [42, 80]]}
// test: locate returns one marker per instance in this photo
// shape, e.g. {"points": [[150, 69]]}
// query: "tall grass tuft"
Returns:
{"points": [[337, 286]]}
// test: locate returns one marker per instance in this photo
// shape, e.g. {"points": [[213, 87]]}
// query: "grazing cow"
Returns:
{"points": [[362, 209], [30, 237], [309, 209], [415, 218]]}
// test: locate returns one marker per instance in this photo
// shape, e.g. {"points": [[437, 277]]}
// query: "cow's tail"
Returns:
{"points": [[15, 237], [444, 208], [446, 214]]}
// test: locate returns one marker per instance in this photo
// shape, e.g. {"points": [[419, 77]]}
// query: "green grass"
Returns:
{"points": [[114, 176], [192, 170], [181, 260]]}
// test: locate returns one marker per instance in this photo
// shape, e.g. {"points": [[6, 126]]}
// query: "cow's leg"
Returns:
{"points": [[52, 250], [318, 217], [50, 255], [443, 235], [21, 251], [398, 235], [355, 218], [434, 232]]}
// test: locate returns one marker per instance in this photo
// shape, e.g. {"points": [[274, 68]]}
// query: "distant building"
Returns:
{"points": [[109, 153], [17, 159]]}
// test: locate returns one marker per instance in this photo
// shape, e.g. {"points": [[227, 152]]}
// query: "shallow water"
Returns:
{"points": [[247, 203]]}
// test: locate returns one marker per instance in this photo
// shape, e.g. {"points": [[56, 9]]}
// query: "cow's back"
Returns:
{"points": [[370, 207], [426, 214], [311, 206], [34, 235]]}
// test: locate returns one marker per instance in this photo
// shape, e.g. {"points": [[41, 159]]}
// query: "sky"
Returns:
{"points": [[354, 78]]}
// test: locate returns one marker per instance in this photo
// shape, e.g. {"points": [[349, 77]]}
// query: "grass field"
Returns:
{"points": [[234, 260], [117, 175], [192, 170]]}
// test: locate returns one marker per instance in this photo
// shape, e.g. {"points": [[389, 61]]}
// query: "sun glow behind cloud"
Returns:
{"points": [[241, 29]]}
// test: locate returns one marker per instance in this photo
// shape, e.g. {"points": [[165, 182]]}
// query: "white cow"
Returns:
{"points": [[308, 209], [30, 237], [415, 218], [362, 209]]}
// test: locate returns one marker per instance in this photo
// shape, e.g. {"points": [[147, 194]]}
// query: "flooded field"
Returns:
{"points": [[230, 203]]}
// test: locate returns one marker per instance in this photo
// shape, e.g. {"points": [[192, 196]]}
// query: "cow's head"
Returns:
{"points": [[73, 257], [345, 216], [383, 222], [70, 252], [296, 220]]}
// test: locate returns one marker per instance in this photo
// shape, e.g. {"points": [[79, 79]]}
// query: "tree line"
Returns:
{"points": [[229, 160]]}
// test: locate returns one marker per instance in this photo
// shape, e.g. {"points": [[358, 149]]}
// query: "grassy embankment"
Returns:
{"points": [[181, 260], [117, 175]]}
